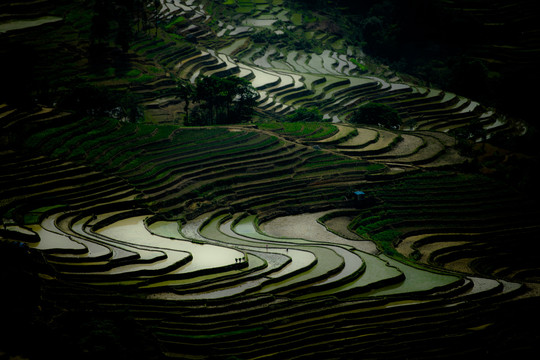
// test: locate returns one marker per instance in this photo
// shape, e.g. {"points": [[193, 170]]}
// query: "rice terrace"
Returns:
{"points": [[269, 179]]}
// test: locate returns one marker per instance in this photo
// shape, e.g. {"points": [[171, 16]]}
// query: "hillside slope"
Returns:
{"points": [[124, 234]]}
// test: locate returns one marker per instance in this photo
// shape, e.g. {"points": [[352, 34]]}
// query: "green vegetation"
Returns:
{"points": [[305, 115], [133, 73], [435, 202], [361, 66], [93, 100], [465, 47], [94, 151], [376, 114], [296, 19], [175, 22], [220, 101], [307, 130]]}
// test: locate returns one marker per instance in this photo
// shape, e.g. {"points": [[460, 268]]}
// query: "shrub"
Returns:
{"points": [[176, 21], [265, 36], [360, 66], [305, 115], [133, 73]]}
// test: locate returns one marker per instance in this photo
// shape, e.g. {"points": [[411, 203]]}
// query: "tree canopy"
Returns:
{"points": [[228, 100], [91, 100], [376, 114]]}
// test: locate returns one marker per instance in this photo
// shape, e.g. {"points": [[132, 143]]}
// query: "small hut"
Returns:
{"points": [[360, 195]]}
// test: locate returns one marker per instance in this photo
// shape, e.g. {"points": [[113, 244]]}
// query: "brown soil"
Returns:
{"points": [[305, 226]]}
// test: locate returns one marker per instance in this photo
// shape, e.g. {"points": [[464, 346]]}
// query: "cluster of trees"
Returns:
{"points": [[367, 114], [419, 37], [92, 100], [213, 100], [116, 20], [376, 114], [444, 45], [35, 69], [424, 38]]}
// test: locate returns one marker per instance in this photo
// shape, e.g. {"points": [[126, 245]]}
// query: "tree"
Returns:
{"points": [[99, 29], [125, 29], [206, 94], [222, 100], [114, 19], [376, 114], [91, 100], [154, 7], [127, 107], [186, 92], [241, 99]]}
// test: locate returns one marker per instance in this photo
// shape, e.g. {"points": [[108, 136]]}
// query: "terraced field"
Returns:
{"points": [[289, 78], [276, 240], [165, 223]]}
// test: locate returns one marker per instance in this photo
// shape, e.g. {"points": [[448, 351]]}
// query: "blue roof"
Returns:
{"points": [[359, 193]]}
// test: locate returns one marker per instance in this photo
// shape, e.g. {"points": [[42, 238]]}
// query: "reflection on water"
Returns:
{"points": [[133, 231]]}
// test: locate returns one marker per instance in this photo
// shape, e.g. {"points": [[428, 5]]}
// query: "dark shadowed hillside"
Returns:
{"points": [[268, 179], [488, 50]]}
